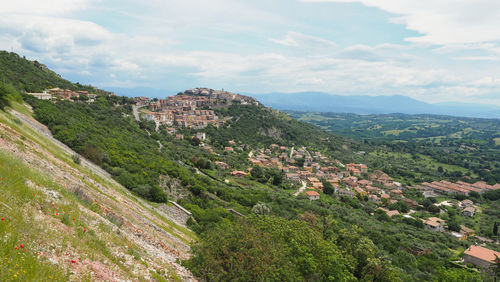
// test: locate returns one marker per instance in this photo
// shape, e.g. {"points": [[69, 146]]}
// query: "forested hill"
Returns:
{"points": [[32, 76]]}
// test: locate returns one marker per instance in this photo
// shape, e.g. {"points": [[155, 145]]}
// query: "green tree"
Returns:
{"points": [[327, 187], [267, 249], [5, 92]]}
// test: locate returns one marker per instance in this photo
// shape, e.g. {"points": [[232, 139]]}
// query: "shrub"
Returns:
{"points": [[76, 159]]}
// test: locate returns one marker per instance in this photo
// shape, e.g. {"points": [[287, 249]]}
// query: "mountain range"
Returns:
{"points": [[324, 102], [359, 104]]}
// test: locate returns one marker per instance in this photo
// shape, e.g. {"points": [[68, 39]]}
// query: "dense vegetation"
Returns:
{"points": [[332, 229], [422, 147], [252, 228], [31, 76]]}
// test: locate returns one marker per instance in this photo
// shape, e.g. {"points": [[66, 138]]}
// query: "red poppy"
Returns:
{"points": [[67, 254], [74, 218], [22, 246], [53, 205], [79, 258], [15, 248], [3, 218], [57, 213], [73, 261]]}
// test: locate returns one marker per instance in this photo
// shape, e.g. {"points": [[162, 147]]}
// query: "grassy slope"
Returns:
{"points": [[45, 224]]}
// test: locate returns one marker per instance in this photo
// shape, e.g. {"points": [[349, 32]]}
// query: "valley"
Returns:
{"points": [[139, 188]]}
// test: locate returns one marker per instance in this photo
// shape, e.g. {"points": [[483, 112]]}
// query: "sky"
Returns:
{"points": [[432, 51]]}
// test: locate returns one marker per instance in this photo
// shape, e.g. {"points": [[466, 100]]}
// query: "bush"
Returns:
{"points": [[76, 159]]}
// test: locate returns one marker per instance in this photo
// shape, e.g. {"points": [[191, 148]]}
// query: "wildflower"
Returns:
{"points": [[57, 213], [79, 258], [15, 248], [3, 218], [67, 254], [73, 261], [74, 218], [22, 246], [53, 205]]}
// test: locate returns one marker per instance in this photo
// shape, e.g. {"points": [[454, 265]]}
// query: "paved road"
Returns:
{"points": [[135, 111], [301, 189]]}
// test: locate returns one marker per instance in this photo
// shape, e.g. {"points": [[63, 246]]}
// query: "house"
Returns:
{"points": [[42, 96], [201, 136], [344, 192], [292, 176], [390, 213], [410, 202], [396, 192], [469, 211], [228, 149], [222, 165], [239, 174], [381, 178], [466, 203], [312, 195], [385, 196], [171, 130], [364, 183], [374, 198], [360, 191], [179, 136], [434, 223], [317, 185], [480, 256], [466, 231]]}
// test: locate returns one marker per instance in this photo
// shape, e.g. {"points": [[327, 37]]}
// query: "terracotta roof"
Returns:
{"points": [[470, 209], [482, 253], [431, 223], [312, 193], [465, 229], [392, 213]]}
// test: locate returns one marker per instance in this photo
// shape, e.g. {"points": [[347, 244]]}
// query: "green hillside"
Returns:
{"points": [[32, 76]]}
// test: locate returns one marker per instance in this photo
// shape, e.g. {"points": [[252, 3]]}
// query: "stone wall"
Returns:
{"points": [[175, 212]]}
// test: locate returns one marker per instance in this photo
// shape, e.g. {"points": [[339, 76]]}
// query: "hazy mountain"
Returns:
{"points": [[324, 102]]}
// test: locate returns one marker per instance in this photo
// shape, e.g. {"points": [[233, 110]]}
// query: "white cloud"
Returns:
{"points": [[442, 22], [152, 49], [297, 39]]}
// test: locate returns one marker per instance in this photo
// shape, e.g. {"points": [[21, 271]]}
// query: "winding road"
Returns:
{"points": [[301, 189]]}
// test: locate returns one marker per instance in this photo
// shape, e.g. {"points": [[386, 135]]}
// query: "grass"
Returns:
{"points": [[20, 228], [497, 141], [17, 206], [67, 158]]}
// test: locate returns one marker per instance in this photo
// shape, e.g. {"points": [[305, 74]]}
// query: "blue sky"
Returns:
{"points": [[433, 52]]}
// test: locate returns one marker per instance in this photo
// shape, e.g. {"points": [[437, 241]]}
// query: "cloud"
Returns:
{"points": [[441, 22], [243, 46], [300, 40]]}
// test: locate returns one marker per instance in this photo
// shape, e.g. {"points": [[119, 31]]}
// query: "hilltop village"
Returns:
{"points": [[192, 108]]}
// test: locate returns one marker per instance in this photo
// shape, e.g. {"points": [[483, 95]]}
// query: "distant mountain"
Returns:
{"points": [[324, 102]]}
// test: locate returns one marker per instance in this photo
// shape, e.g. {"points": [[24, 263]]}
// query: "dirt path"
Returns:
{"points": [[301, 189]]}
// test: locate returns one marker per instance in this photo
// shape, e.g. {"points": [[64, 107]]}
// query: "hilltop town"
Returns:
{"points": [[192, 108]]}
